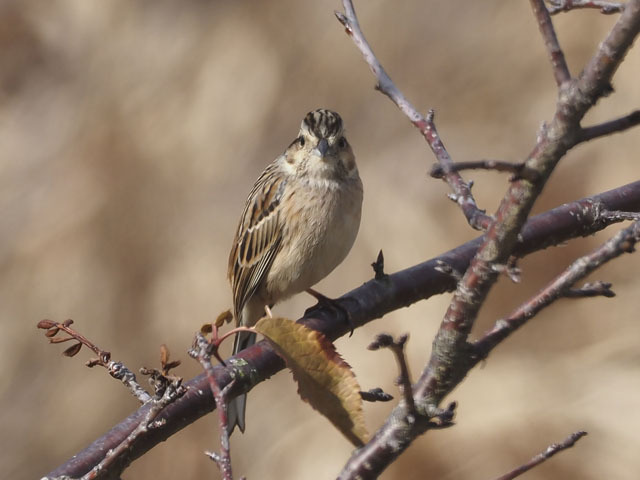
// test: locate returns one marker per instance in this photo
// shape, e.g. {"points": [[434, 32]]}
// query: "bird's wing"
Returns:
{"points": [[258, 238]]}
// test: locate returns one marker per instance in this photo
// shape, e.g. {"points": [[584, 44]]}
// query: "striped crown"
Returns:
{"points": [[322, 123]]}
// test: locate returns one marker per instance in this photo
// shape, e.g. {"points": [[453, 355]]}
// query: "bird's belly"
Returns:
{"points": [[316, 248]]}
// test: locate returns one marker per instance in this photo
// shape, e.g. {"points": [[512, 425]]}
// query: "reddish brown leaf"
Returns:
{"points": [[171, 365], [46, 324], [52, 332], [324, 379], [206, 329], [60, 339], [224, 317], [72, 350], [164, 355]]}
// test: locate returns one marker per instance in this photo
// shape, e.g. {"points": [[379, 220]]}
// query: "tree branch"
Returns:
{"points": [[551, 450], [519, 170], [461, 190], [556, 55], [612, 126], [605, 7], [201, 352], [366, 303], [622, 242]]}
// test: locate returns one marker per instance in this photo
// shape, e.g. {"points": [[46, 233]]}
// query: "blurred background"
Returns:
{"points": [[131, 133]]}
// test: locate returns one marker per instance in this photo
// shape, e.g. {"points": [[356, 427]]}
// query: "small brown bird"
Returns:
{"points": [[299, 223]]}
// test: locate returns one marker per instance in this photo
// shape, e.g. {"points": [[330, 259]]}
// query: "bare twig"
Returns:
{"points": [[116, 369], [596, 289], [201, 351], [376, 395], [557, 6], [404, 379], [461, 190], [560, 286], [558, 62], [619, 216], [544, 456], [518, 169], [378, 267], [612, 126]]}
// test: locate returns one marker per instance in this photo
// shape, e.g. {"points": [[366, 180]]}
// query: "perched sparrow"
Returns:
{"points": [[299, 223]]}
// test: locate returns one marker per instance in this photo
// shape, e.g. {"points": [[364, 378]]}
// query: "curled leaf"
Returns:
{"points": [[224, 317], [52, 332], [164, 354], [72, 350], [206, 329], [171, 365], [46, 324], [324, 379]]}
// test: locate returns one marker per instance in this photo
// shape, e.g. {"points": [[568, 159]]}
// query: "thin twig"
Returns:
{"points": [[622, 242], [518, 169], [556, 55], [404, 379], [544, 456], [613, 126], [619, 216], [201, 351], [117, 370], [376, 395], [595, 289], [557, 6], [461, 190]]}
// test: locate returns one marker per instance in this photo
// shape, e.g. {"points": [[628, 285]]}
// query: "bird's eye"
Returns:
{"points": [[342, 142], [301, 141]]}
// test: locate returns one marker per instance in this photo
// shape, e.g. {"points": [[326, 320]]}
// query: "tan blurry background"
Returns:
{"points": [[130, 133]]}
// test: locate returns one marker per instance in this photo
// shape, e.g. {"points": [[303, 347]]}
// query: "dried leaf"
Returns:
{"points": [[171, 365], [224, 317], [52, 332], [46, 324], [68, 322], [164, 355], [206, 329], [72, 350], [324, 379], [60, 339]]}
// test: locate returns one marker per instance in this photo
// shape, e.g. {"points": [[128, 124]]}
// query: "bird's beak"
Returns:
{"points": [[322, 148]]}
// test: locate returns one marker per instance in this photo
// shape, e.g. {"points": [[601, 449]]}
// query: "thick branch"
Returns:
{"points": [[368, 302]]}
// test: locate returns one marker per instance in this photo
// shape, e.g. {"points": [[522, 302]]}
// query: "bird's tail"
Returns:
{"points": [[237, 406]]}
